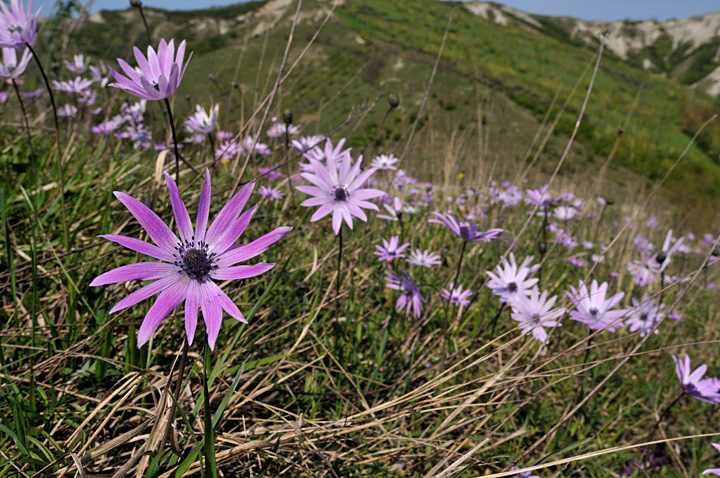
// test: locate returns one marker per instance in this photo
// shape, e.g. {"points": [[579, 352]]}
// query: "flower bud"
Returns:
{"points": [[609, 201], [287, 116], [136, 3], [393, 100], [660, 258]]}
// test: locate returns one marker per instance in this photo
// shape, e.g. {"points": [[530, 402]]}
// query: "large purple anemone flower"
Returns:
{"points": [[191, 263]]}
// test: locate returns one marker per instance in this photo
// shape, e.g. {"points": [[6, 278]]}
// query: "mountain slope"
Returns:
{"points": [[373, 47]]}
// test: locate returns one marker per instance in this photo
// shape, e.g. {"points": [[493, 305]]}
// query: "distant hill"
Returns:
{"points": [[501, 63]]}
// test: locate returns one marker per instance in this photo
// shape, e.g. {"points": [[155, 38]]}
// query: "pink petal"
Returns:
{"points": [[182, 218], [146, 291], [140, 246], [164, 304], [203, 209], [248, 251], [234, 232], [137, 271], [191, 310], [241, 272], [322, 211], [226, 303], [229, 213], [212, 312], [155, 227]]}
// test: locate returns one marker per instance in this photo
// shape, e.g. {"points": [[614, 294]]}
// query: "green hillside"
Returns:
{"points": [[373, 47]]}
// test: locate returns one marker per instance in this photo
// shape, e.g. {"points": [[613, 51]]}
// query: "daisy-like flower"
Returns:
{"points": [[191, 263], [393, 210], [565, 213], [337, 188], [156, 77], [644, 315], [668, 249], [32, 93], [279, 129], [67, 110], [644, 272], [410, 297], [463, 229], [307, 143], [534, 311], [79, 64], [3, 96], [201, 122], [391, 250], [385, 161], [227, 150], [456, 295], [539, 197], [77, 85], [100, 74], [260, 148], [713, 471], [17, 26], [12, 66], [320, 157], [693, 383], [270, 174], [510, 280], [107, 127], [423, 258], [270, 193], [593, 309]]}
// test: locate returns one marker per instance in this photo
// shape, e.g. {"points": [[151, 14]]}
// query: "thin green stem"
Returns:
{"points": [[175, 143]]}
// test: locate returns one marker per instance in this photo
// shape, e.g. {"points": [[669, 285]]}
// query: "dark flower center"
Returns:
{"points": [[341, 194], [14, 29], [156, 86], [535, 318], [593, 312], [512, 287], [195, 261]]}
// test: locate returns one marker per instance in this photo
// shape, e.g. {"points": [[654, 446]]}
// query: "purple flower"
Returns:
{"points": [[156, 77], [307, 143], [100, 74], [11, 66], [3, 96], [67, 110], [714, 471], [32, 94], [107, 127], [539, 197], [577, 261], [78, 66], [192, 263], [337, 188], [527, 474], [456, 295], [279, 129], [201, 122], [270, 193], [565, 213], [593, 309], [385, 161], [270, 174], [423, 258], [78, 85], [391, 250], [464, 230], [260, 148], [393, 210], [17, 26], [509, 280], [693, 383], [644, 272], [644, 315], [534, 311], [410, 297], [227, 150]]}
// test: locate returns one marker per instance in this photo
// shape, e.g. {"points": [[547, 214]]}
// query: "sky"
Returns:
{"points": [[586, 9]]}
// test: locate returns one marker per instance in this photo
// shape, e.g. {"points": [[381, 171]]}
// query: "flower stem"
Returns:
{"points": [[453, 284], [209, 438], [175, 144], [61, 181], [287, 164]]}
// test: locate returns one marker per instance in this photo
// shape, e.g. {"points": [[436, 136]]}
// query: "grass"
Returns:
{"points": [[316, 384]]}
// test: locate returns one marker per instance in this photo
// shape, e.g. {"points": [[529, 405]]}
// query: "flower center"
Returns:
{"points": [[643, 316], [512, 287], [14, 29], [535, 319], [594, 312], [195, 261], [341, 194]]}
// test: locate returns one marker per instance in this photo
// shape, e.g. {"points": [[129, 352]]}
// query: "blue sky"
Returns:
{"points": [[587, 9]]}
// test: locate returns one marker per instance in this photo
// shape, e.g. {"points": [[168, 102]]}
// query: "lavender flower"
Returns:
{"points": [[534, 311], [539, 197], [3, 96], [307, 143], [464, 230], [107, 127], [693, 383], [32, 93], [527, 474], [385, 161], [192, 263], [270, 174], [423, 258], [337, 188], [260, 148], [270, 193], [509, 280], [393, 210], [17, 26], [67, 110], [11, 66], [644, 315], [410, 296], [391, 250], [158, 76], [202, 123], [456, 295], [714, 471], [78, 66], [78, 85], [593, 309], [279, 129], [100, 74], [644, 272], [228, 150]]}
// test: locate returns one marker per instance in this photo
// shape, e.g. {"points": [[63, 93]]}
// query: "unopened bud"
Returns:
{"points": [[135, 3], [393, 100], [609, 202], [542, 248], [660, 258], [287, 116], [187, 98], [620, 132], [715, 253]]}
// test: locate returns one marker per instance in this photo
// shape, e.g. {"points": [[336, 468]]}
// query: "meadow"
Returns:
{"points": [[272, 291]]}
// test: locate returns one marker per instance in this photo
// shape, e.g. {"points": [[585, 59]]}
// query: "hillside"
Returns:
{"points": [[372, 47]]}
